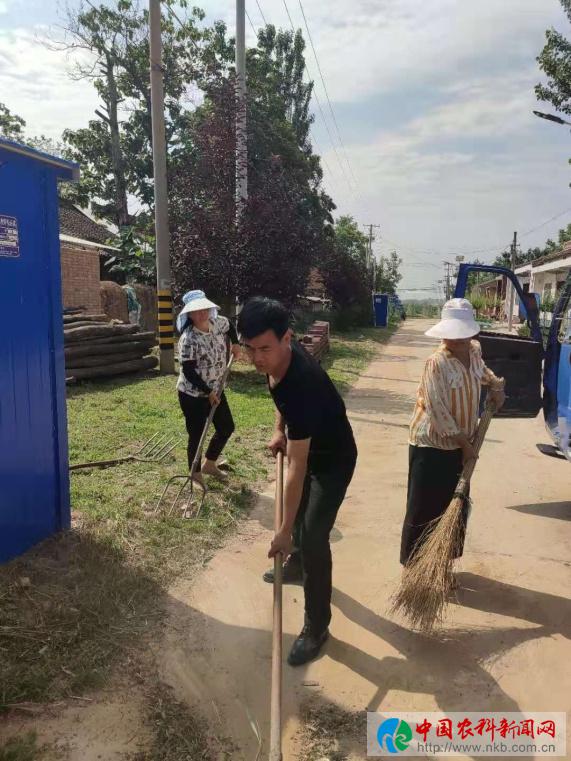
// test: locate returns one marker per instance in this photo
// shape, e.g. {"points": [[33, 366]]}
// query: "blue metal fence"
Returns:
{"points": [[34, 483]]}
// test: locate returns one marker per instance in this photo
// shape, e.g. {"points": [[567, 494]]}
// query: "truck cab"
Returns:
{"points": [[536, 368]]}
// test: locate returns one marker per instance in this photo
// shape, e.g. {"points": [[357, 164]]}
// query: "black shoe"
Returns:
{"points": [[291, 572], [306, 647]]}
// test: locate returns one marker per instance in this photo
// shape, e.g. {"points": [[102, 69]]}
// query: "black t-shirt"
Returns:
{"points": [[313, 408]]}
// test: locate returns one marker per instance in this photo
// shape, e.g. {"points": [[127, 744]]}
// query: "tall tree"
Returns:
{"points": [[284, 228], [115, 149], [344, 268], [275, 73], [388, 273], [555, 61]]}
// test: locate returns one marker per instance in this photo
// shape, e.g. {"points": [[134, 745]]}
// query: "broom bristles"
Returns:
{"points": [[427, 579]]}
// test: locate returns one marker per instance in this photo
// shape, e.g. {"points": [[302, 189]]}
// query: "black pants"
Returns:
{"points": [[432, 479], [196, 410], [323, 493]]}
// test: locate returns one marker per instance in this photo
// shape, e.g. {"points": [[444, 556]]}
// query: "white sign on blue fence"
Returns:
{"points": [[9, 240]]}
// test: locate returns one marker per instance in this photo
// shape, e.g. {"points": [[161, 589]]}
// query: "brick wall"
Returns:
{"points": [[80, 278]]}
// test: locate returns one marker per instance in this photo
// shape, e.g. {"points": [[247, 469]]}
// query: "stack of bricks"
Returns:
{"points": [[316, 340]]}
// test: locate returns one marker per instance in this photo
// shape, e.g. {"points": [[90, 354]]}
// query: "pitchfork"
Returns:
{"points": [[155, 449], [189, 478]]}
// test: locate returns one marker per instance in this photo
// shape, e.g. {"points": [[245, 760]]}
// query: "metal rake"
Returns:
{"points": [[156, 449], [188, 478]]}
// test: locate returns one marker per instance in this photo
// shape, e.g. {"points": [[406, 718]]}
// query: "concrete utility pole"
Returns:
{"points": [[371, 263], [512, 289], [164, 294], [241, 112]]}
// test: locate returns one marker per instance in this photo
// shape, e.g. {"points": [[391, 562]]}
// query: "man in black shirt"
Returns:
{"points": [[312, 428]]}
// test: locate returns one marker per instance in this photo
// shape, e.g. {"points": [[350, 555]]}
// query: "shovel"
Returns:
{"points": [[276, 697]]}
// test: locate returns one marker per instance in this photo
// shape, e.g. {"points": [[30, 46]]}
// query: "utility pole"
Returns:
{"points": [[512, 289], [241, 112], [241, 193], [164, 294], [448, 279], [371, 263]]}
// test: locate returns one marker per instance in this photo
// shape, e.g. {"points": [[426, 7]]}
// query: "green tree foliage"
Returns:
{"points": [[555, 61], [11, 125], [135, 258], [115, 149], [344, 269], [388, 273], [523, 257]]}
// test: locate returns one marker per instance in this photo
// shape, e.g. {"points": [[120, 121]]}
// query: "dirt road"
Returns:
{"points": [[506, 645]]}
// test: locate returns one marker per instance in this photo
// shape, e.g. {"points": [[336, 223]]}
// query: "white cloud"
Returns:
{"points": [[34, 83], [371, 46], [462, 176]]}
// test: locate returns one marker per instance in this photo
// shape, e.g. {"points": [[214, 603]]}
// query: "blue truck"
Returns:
{"points": [[537, 369]]}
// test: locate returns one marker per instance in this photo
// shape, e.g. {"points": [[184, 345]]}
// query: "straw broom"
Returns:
{"points": [[427, 579]]}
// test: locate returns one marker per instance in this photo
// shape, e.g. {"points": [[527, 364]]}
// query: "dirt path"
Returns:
{"points": [[508, 642]]}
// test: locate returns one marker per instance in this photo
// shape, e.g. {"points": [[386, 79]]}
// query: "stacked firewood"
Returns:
{"points": [[96, 347], [316, 340]]}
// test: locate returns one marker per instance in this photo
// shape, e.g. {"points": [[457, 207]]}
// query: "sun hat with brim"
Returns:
{"points": [[457, 321], [194, 301]]}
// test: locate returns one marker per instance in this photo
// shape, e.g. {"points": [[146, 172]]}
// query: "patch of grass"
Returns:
{"points": [[330, 732], [74, 607], [19, 748], [180, 734], [351, 352]]}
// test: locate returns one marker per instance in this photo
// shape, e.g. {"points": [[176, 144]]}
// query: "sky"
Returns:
{"points": [[430, 134]]}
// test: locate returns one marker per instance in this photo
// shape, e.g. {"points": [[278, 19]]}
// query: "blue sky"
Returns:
{"points": [[433, 100]]}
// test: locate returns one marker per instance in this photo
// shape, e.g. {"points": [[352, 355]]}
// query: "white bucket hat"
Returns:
{"points": [[457, 321], [194, 301]]}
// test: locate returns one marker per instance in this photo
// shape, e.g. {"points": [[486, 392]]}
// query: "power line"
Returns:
{"points": [[288, 15], [326, 92], [498, 248], [321, 112], [261, 13], [251, 24], [523, 235], [567, 211], [174, 15]]}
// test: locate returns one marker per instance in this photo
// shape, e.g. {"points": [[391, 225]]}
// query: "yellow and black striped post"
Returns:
{"points": [[166, 331]]}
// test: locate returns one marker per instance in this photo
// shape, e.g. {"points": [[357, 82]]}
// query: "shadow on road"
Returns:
{"points": [[559, 510]]}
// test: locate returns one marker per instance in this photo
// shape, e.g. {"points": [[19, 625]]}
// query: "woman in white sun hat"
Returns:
{"points": [[203, 352], [445, 420]]}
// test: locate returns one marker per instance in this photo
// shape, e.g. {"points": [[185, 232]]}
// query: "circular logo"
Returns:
{"points": [[394, 735]]}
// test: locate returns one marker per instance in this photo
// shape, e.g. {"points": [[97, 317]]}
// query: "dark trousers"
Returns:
{"points": [[433, 476], [196, 410], [323, 493]]}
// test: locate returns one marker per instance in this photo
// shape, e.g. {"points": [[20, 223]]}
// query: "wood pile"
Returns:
{"points": [[96, 347], [316, 340]]}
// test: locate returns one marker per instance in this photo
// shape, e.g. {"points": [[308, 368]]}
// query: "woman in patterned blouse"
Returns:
{"points": [[203, 355], [445, 420]]}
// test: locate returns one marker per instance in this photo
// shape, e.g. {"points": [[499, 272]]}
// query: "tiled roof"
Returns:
{"points": [[74, 222], [562, 253]]}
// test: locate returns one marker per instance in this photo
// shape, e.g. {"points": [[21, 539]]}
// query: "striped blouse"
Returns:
{"points": [[448, 398]]}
